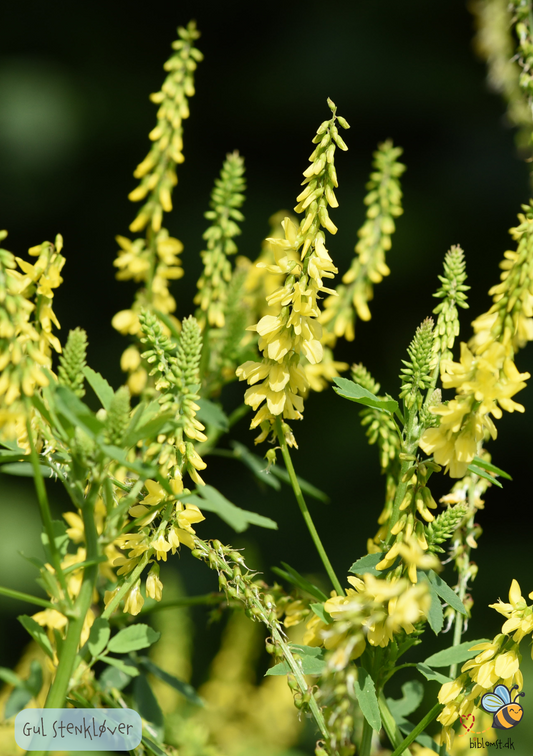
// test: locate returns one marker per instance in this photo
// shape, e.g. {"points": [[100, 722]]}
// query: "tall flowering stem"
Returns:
{"points": [[303, 508], [304, 260]]}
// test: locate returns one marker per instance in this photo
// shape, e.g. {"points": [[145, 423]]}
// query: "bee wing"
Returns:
{"points": [[503, 692], [492, 702]]}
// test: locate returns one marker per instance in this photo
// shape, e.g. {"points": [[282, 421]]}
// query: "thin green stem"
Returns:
{"points": [[44, 507], [366, 739], [420, 727], [26, 597], [303, 508], [124, 588], [389, 723]]}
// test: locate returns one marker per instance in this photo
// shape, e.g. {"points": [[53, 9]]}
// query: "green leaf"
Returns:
{"points": [[321, 613], [25, 470], [412, 695], [435, 614], [133, 638], [126, 667], [119, 455], [483, 474], [367, 564], [34, 683], [182, 687], [356, 393], [255, 464], [9, 677], [37, 633], [430, 674], [365, 690], [76, 412], [100, 386], [112, 677], [152, 746], [147, 705], [151, 429], [18, 699], [212, 414], [311, 661], [294, 577], [100, 632], [454, 654], [490, 467], [445, 592], [239, 519]]}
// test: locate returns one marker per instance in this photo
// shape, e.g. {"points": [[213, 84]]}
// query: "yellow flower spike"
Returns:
{"points": [[294, 332]]}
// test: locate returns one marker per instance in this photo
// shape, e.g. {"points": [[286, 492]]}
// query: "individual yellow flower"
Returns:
{"points": [[134, 601], [154, 586]]}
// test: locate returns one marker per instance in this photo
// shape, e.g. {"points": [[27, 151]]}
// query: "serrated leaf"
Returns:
{"points": [[321, 613], [126, 667], [211, 500], [147, 704], [182, 687], [355, 393], [412, 695], [100, 386], [454, 654], [365, 690], [133, 638], [445, 592], [37, 633], [430, 674], [490, 467], [294, 577], [212, 414], [311, 661], [100, 632], [367, 564], [483, 474]]}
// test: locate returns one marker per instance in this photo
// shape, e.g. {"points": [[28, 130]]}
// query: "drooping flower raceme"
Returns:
{"points": [[305, 262]]}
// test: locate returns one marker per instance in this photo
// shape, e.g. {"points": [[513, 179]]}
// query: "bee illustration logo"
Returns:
{"points": [[507, 713]]}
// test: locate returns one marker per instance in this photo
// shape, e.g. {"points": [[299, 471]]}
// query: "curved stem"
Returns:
{"points": [[303, 508]]}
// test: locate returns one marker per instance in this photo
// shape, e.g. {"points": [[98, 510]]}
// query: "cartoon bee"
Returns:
{"points": [[507, 714]]}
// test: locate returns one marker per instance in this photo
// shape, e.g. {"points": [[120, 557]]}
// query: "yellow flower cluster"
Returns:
{"points": [[372, 611], [485, 385], [26, 330], [369, 266], [158, 170], [486, 378], [497, 662], [295, 330], [172, 532]]}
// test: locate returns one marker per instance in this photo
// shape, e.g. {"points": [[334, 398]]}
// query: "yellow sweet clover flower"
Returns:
{"points": [[26, 331], [486, 378], [498, 661], [295, 330], [134, 601], [368, 267]]}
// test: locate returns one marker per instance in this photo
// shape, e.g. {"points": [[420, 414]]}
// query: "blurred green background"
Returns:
{"points": [[74, 119]]}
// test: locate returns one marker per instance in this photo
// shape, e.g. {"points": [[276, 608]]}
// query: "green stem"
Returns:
{"points": [[303, 508], [44, 507], [26, 597], [389, 723], [110, 608], [420, 727], [366, 739]]}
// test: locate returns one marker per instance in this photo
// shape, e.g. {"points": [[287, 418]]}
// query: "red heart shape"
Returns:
{"points": [[465, 721]]}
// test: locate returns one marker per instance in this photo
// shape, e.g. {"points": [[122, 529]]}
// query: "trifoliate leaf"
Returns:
{"points": [[126, 667]]}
